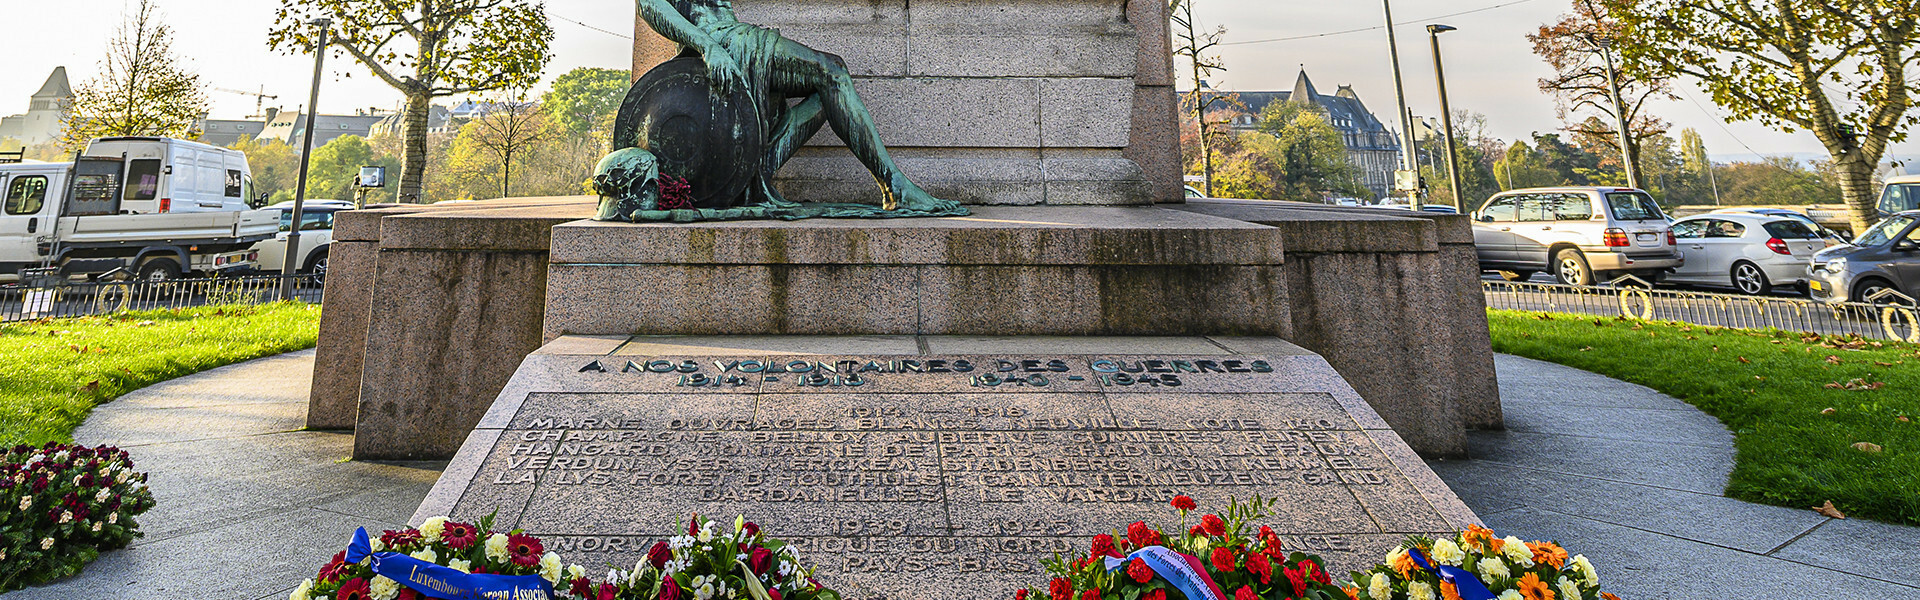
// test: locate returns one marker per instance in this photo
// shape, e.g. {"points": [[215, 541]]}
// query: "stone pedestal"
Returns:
{"points": [[934, 466], [1059, 102]]}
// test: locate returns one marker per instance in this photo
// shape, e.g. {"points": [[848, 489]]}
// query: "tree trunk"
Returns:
{"points": [[1856, 189], [413, 132], [506, 175]]}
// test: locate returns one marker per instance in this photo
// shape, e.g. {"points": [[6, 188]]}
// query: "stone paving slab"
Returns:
{"points": [[1634, 479]]}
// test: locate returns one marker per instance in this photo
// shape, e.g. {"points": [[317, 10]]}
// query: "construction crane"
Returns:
{"points": [[260, 99]]}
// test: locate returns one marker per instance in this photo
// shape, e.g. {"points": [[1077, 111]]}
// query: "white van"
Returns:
{"points": [[165, 175]]}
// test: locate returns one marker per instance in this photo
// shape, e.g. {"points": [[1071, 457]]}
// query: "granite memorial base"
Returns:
{"points": [[933, 466]]}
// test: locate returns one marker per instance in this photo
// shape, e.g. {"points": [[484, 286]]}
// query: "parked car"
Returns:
{"points": [[1833, 238], [1579, 234], [1887, 256], [1748, 252], [1193, 192], [316, 233], [166, 175]]}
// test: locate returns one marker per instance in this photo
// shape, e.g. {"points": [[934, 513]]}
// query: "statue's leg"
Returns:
{"points": [[794, 127], [803, 71]]}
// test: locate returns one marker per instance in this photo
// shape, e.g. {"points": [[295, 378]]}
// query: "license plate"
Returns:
{"points": [[1816, 286], [1646, 237]]}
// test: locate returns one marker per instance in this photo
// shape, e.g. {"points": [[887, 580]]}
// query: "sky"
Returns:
{"points": [[1489, 62]]}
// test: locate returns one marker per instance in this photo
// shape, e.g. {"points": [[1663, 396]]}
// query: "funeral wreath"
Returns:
{"points": [[61, 505], [440, 559], [712, 562], [1477, 565]]}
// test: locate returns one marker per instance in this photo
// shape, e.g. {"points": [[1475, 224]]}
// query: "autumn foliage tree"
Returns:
{"points": [[1837, 68], [141, 88], [1579, 85], [426, 49]]}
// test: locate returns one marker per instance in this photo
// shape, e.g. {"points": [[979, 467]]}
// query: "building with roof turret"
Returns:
{"points": [[46, 116], [1372, 146]]}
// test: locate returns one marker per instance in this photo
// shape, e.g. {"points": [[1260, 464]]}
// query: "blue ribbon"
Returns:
{"points": [[446, 583], [1463, 580], [1184, 572]]}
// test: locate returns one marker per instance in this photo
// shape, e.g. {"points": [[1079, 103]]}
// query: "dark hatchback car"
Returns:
{"points": [[1887, 256]]}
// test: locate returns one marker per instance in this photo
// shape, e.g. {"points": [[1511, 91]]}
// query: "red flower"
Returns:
{"points": [[760, 560], [693, 525], [1059, 589], [353, 589], [1141, 536], [1154, 595], [659, 554], [460, 536], [1196, 531], [1214, 526], [396, 539], [675, 192], [407, 593], [1090, 595], [1257, 564], [582, 587], [774, 594], [1184, 503], [1223, 560], [1245, 593], [524, 550], [1103, 546], [335, 569], [1314, 571], [1139, 570], [751, 529], [1298, 579], [1020, 595], [669, 590]]}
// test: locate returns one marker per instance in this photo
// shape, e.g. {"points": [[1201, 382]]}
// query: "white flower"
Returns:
{"points": [[1492, 568], [550, 568], [66, 516], [101, 496], [706, 534], [377, 545], [497, 547], [1587, 574], [1568, 589], [303, 592], [113, 517], [1419, 590], [46, 543], [704, 593], [460, 565], [432, 529], [427, 554], [1448, 553], [576, 572], [383, 588], [1517, 551], [25, 502], [680, 542], [1380, 588], [96, 526], [1511, 595]]}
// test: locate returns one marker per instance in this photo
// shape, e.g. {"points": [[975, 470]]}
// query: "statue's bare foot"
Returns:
{"points": [[911, 197]]}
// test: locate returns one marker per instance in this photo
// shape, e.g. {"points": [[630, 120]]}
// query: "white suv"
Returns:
{"points": [[1579, 234]]}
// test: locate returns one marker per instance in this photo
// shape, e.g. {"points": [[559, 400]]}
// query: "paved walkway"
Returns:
{"points": [[248, 505], [1633, 479]]}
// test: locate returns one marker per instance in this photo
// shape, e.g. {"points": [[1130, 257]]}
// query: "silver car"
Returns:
{"points": [[1887, 256], [1580, 234], [1749, 252]]}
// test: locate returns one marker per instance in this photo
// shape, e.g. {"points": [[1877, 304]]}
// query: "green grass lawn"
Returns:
{"points": [[1772, 389], [56, 370]]}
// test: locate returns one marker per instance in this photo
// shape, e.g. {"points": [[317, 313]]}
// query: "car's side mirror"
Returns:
{"points": [[1906, 246], [1484, 218], [258, 202]]}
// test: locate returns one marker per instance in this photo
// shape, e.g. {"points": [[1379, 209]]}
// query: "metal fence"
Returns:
{"points": [[68, 299], [1895, 319]]}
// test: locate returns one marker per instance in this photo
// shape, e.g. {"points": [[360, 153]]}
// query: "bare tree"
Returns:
{"points": [[1579, 85], [508, 128], [1191, 42], [141, 89]]}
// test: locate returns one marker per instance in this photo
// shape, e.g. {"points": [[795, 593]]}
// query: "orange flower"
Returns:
{"points": [[1483, 538], [1353, 593], [1534, 589], [1403, 564], [1548, 553], [1449, 591], [1607, 596]]}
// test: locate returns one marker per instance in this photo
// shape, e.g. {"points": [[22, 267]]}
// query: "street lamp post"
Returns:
{"points": [[1410, 161], [292, 262], [1446, 117], [1619, 112]]}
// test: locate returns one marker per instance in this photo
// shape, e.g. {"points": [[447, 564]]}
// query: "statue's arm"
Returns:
{"points": [[669, 23]]}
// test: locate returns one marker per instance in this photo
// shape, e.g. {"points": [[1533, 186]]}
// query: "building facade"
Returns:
{"points": [[1372, 146], [292, 127], [46, 116]]}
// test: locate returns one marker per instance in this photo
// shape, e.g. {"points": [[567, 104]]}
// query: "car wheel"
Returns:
{"points": [[1750, 279], [317, 268], [1870, 287], [157, 276], [1516, 275], [1570, 267]]}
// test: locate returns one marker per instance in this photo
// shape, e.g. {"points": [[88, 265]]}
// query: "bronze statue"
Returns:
{"points": [[700, 136]]}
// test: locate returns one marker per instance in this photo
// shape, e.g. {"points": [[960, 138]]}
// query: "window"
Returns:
{"points": [[1791, 230], [312, 221], [26, 195], [1725, 229], [143, 180], [1570, 207], [1883, 232], [1690, 229], [1536, 208], [1500, 209], [1900, 197], [234, 184], [1633, 206]]}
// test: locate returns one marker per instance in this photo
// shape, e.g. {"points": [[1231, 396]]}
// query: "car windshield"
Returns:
{"points": [[312, 221], [1633, 206], [1791, 230], [1879, 234]]}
